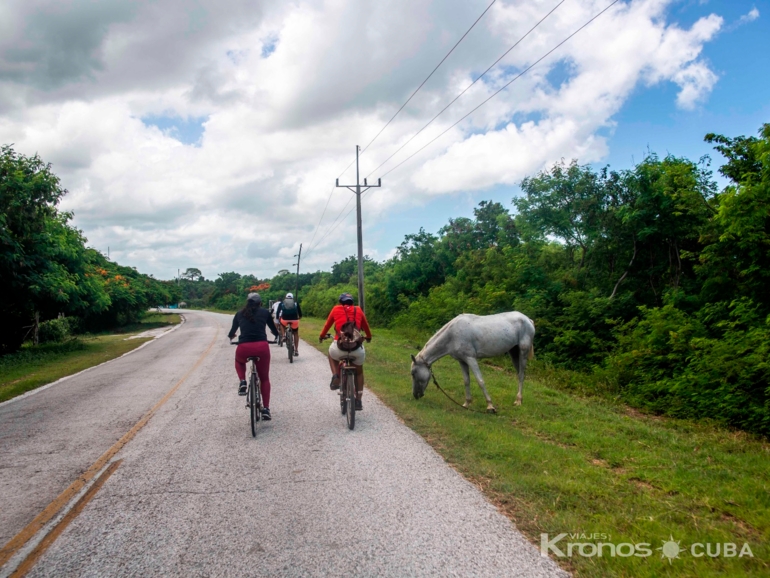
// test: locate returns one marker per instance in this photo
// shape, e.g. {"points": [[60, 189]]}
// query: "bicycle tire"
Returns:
{"points": [[351, 399], [254, 403], [290, 343]]}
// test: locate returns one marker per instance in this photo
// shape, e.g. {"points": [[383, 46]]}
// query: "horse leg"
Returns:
{"points": [[474, 365], [467, 380], [516, 358]]}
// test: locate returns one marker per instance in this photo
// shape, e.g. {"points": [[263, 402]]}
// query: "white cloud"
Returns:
{"points": [[288, 89], [750, 16]]}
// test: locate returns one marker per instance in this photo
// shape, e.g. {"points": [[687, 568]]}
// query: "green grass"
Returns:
{"points": [[151, 320], [564, 463], [34, 366]]}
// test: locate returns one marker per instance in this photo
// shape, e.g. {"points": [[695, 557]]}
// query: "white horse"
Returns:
{"points": [[470, 337]]}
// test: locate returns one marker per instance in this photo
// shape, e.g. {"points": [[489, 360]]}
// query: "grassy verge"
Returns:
{"points": [[564, 463], [32, 367]]}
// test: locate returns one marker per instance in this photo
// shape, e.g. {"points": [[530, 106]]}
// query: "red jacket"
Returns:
{"points": [[341, 314]]}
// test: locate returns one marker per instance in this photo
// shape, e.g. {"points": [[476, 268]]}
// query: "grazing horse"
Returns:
{"points": [[471, 337]]}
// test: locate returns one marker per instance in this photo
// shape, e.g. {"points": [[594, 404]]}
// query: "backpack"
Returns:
{"points": [[350, 337], [289, 306]]}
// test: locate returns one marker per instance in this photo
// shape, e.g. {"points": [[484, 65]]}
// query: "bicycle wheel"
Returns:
{"points": [[350, 382], [290, 343], [254, 402]]}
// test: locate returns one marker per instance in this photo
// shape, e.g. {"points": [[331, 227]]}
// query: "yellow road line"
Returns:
{"points": [[50, 538], [52, 509]]}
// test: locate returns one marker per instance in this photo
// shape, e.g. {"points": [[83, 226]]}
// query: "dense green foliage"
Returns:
{"points": [[46, 268], [649, 281]]}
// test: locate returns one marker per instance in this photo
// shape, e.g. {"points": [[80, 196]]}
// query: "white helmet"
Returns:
{"points": [[289, 296]]}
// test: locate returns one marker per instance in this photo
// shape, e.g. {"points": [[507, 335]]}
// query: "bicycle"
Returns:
{"points": [[347, 374], [253, 393], [289, 340]]}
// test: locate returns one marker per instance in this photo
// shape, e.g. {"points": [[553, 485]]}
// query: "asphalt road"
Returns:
{"points": [[195, 495]]}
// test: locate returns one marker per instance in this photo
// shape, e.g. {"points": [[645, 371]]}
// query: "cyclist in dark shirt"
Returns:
{"points": [[289, 313], [252, 342]]}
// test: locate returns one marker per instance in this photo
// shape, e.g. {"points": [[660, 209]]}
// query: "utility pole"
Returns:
{"points": [[358, 190], [298, 256]]}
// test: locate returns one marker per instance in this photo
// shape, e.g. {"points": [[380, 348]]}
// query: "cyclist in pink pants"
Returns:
{"points": [[252, 342]]}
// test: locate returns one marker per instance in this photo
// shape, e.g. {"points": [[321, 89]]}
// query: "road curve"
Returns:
{"points": [[195, 495]]}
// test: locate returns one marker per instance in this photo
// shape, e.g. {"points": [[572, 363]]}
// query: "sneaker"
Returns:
{"points": [[335, 384], [242, 388], [296, 353], [359, 405], [266, 414]]}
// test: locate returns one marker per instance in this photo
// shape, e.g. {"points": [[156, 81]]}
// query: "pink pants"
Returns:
{"points": [[255, 349]]}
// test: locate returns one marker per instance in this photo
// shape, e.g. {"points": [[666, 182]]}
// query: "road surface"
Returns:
{"points": [[191, 493]]}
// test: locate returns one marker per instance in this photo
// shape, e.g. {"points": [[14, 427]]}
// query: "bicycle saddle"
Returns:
{"points": [[254, 358]]}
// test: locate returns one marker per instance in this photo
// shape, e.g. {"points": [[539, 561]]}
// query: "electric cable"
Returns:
{"points": [[479, 77], [474, 109], [428, 77], [480, 105], [506, 85], [391, 120]]}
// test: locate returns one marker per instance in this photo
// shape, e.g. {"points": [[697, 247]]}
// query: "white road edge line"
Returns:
{"points": [[66, 377]]}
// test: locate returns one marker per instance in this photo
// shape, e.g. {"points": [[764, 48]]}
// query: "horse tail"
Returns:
{"points": [[531, 352]]}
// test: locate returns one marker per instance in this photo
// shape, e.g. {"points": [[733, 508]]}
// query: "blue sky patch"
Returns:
{"points": [[560, 73], [188, 131], [268, 46]]}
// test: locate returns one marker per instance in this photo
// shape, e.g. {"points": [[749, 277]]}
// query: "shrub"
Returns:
{"points": [[55, 330]]}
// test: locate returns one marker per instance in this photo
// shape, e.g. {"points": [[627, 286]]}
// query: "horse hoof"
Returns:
{"points": [[491, 410], [517, 402]]}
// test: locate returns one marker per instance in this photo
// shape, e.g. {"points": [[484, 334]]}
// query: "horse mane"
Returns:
{"points": [[436, 336]]}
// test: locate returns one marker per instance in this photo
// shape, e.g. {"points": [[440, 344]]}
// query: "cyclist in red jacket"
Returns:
{"points": [[338, 316]]}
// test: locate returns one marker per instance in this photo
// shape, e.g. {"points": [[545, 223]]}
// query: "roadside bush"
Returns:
{"points": [[230, 302], [712, 364], [319, 299], [55, 330]]}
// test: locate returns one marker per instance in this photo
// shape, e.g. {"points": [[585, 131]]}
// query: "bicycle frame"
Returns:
{"points": [[348, 391], [347, 376], [253, 394]]}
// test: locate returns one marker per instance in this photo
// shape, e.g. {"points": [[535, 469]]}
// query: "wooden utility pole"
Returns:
{"points": [[358, 190], [298, 256]]}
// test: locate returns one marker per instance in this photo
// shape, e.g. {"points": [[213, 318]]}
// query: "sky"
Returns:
{"points": [[209, 134]]}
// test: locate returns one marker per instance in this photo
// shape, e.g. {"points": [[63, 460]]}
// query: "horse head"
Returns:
{"points": [[420, 377]]}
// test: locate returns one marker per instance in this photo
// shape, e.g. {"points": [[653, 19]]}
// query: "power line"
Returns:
{"points": [[479, 77], [506, 85], [428, 77], [311, 246], [333, 225], [479, 106]]}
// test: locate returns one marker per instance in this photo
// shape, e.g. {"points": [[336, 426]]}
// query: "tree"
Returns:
{"points": [[44, 265], [192, 274], [736, 262]]}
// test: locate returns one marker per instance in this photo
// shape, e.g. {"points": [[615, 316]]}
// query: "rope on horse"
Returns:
{"points": [[449, 397]]}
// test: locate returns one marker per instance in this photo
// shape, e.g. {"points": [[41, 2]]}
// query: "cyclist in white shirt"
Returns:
{"points": [[274, 310]]}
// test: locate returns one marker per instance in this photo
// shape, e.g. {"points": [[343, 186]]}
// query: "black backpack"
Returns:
{"points": [[292, 309]]}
